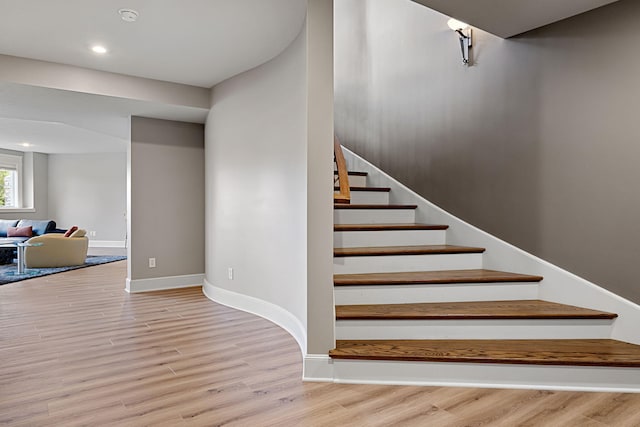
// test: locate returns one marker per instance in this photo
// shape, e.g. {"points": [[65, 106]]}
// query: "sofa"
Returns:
{"points": [[38, 228], [57, 250]]}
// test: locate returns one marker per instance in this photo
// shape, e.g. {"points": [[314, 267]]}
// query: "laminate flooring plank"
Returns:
{"points": [[175, 358]]}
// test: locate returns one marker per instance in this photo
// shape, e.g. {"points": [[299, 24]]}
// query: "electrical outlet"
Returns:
{"points": [[230, 273], [152, 263], [92, 234]]}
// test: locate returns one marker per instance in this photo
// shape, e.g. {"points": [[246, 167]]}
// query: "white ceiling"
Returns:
{"points": [[507, 18], [59, 121], [193, 42]]}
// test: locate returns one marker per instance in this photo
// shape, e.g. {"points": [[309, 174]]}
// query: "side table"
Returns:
{"points": [[21, 248]]}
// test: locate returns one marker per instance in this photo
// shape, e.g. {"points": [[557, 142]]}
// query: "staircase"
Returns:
{"points": [[413, 309]]}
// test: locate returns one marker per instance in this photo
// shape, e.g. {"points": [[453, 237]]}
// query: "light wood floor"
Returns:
{"points": [[75, 349]]}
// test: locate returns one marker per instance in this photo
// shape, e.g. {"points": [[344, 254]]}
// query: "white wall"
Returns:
{"points": [[256, 203], [90, 191], [40, 189]]}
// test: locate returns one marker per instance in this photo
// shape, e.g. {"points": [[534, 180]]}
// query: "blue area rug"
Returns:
{"points": [[8, 272]]}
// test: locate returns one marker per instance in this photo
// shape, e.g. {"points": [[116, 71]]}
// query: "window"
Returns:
{"points": [[10, 181], [8, 188]]}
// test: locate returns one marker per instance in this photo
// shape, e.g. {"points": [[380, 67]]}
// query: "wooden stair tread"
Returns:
{"points": [[578, 352], [368, 189], [432, 277], [405, 250], [489, 310], [387, 227], [353, 173], [371, 206]]}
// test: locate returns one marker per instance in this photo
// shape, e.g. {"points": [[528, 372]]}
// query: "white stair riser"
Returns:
{"points": [[356, 239], [397, 263], [354, 180], [374, 216], [473, 329], [586, 378], [401, 294], [369, 198], [357, 181]]}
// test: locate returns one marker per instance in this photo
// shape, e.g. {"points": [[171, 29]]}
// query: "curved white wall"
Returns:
{"points": [[256, 191]]}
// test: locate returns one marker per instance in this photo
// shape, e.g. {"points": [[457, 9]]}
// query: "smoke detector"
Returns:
{"points": [[128, 15]]}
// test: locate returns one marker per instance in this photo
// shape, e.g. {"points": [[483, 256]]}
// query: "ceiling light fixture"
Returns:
{"points": [[464, 32], [99, 49], [128, 15], [25, 144]]}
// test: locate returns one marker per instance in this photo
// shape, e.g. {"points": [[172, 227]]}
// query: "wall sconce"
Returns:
{"points": [[464, 32]]}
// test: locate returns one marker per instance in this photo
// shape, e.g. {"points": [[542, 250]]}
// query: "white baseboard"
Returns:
{"points": [[107, 244], [265, 309], [321, 368], [487, 375], [164, 283], [317, 368]]}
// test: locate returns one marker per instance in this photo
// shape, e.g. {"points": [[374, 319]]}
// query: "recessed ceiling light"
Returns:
{"points": [[25, 144], [99, 49], [128, 15]]}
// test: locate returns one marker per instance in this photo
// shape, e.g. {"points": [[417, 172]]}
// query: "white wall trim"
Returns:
{"points": [[16, 210], [321, 368], [264, 309], [594, 389], [163, 283], [317, 368], [107, 244]]}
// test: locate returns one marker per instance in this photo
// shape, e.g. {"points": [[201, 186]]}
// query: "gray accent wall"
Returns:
{"points": [[166, 167], [320, 306], [536, 143], [90, 191]]}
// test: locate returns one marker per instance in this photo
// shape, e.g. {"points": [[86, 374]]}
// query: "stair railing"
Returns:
{"points": [[341, 179]]}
